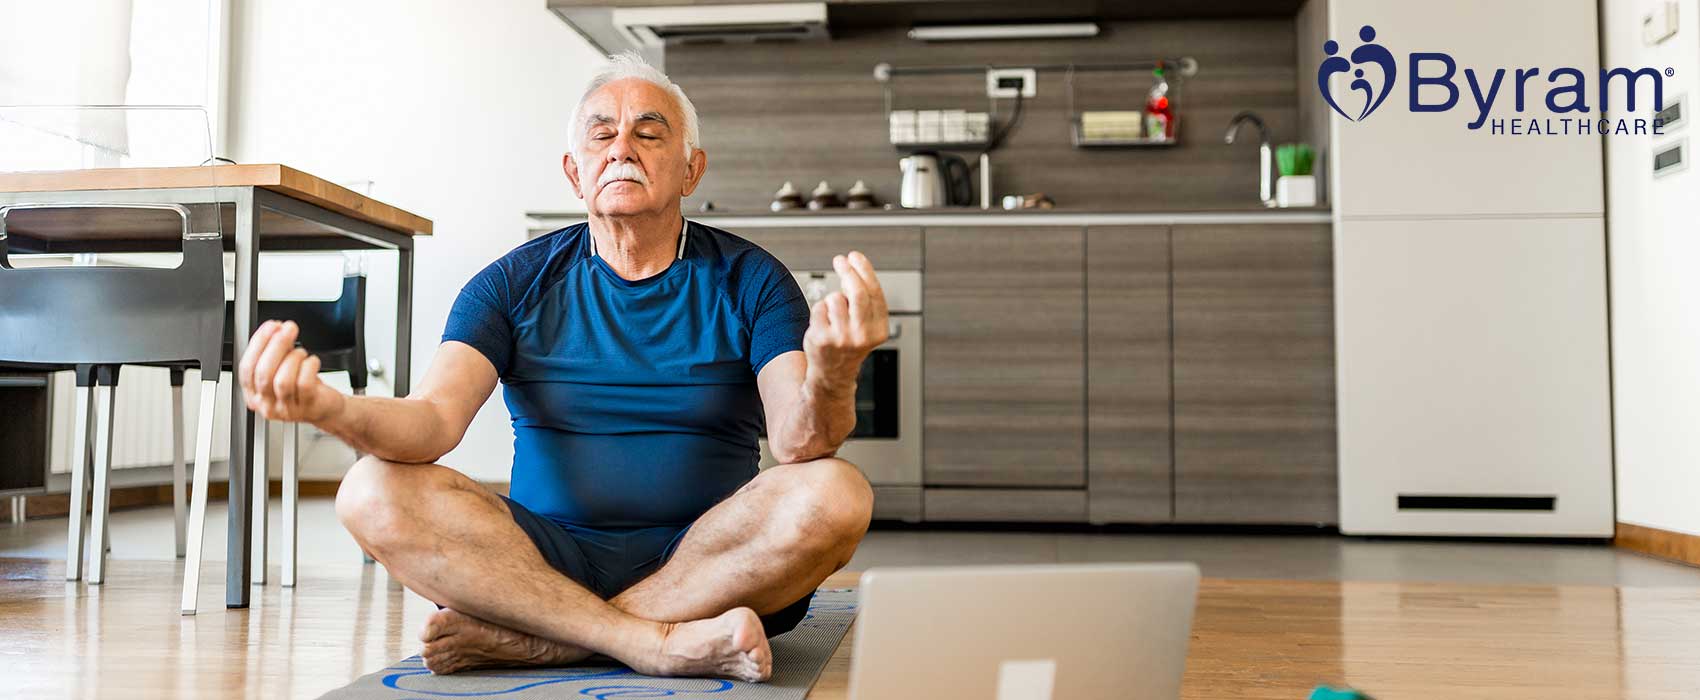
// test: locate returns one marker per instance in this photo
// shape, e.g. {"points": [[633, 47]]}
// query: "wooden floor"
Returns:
{"points": [[1252, 639]]}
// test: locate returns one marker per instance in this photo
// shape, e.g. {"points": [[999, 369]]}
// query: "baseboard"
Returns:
{"points": [[1664, 544], [58, 505]]}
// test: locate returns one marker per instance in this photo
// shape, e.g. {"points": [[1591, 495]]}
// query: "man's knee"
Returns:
{"points": [[829, 503], [372, 501]]}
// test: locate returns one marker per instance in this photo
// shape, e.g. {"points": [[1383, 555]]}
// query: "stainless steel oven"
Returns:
{"points": [[886, 442]]}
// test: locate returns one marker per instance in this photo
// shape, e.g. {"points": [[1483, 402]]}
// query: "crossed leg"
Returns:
{"points": [[455, 543]]}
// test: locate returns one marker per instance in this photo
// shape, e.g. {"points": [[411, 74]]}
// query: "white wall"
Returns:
{"points": [[453, 110], [1655, 288]]}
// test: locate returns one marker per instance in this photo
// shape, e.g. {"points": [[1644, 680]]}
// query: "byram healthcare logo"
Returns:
{"points": [[1431, 86], [1368, 53]]}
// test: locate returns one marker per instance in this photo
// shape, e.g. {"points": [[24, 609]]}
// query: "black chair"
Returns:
{"points": [[336, 332], [97, 319]]}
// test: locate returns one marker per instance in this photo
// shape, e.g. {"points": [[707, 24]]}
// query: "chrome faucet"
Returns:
{"points": [[1265, 157]]}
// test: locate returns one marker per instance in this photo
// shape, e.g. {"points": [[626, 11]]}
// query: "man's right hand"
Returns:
{"points": [[281, 381]]}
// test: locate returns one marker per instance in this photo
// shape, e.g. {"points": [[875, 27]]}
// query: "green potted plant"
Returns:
{"points": [[1296, 186]]}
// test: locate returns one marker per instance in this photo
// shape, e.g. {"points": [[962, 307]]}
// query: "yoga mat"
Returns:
{"points": [[798, 657]]}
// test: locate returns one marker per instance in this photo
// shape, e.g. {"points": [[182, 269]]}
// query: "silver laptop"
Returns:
{"points": [[1047, 632]]}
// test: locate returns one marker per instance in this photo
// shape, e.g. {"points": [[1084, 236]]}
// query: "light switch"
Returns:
{"points": [[1659, 24]]}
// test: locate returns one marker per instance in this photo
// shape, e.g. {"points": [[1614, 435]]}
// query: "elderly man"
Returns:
{"points": [[639, 353]]}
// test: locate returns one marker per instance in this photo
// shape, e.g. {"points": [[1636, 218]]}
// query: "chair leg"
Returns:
{"points": [[261, 509], [291, 502], [103, 406], [179, 476], [198, 494], [79, 487]]}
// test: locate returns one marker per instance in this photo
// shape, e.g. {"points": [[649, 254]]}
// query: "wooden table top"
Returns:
{"points": [[271, 176], [1257, 640]]}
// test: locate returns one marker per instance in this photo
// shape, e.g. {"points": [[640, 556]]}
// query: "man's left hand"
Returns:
{"points": [[847, 324]]}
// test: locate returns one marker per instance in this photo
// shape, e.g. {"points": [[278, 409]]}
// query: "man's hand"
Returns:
{"points": [[845, 325], [281, 381]]}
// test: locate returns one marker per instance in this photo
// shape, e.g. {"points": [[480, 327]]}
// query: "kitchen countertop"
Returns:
{"points": [[962, 216]]}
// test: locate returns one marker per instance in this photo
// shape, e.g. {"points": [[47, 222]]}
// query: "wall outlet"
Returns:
{"points": [[1674, 116], [1010, 82]]}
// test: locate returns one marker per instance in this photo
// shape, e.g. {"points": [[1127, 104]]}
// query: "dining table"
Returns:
{"points": [[257, 208]]}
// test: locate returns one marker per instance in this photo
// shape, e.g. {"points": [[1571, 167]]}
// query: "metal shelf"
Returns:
{"points": [[1081, 141]]}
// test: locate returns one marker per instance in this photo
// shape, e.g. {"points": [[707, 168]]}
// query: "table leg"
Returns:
{"points": [[403, 379], [237, 562]]}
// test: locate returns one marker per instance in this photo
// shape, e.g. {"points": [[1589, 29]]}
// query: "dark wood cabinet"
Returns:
{"points": [[1128, 458], [1254, 420], [812, 247], [1004, 346]]}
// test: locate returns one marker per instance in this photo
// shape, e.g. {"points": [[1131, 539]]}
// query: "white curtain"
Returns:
{"points": [[105, 52], [69, 52]]}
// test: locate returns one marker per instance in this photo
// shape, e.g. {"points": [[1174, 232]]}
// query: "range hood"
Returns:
{"points": [[654, 27]]}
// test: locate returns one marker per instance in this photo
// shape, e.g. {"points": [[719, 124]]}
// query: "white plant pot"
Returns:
{"points": [[1295, 191]]}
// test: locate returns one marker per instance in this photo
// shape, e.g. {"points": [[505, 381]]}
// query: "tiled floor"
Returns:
{"points": [[146, 534]]}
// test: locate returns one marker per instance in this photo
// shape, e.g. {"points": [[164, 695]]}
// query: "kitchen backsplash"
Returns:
{"points": [[812, 111]]}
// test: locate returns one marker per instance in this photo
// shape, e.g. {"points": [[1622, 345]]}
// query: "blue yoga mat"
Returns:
{"points": [[798, 657]]}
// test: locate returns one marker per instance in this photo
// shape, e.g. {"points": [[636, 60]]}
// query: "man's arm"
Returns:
{"points": [[281, 382], [810, 396]]}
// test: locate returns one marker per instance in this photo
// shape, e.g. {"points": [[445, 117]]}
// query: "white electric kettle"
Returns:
{"points": [[934, 180]]}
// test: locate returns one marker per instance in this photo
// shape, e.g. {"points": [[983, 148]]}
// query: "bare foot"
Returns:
{"points": [[457, 642], [729, 646]]}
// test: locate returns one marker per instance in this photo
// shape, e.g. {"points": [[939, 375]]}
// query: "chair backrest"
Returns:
{"points": [[327, 326], [333, 330], [115, 315]]}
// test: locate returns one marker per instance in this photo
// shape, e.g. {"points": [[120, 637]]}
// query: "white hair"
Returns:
{"points": [[629, 64]]}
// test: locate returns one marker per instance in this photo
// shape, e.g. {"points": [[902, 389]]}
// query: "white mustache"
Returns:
{"points": [[622, 171]]}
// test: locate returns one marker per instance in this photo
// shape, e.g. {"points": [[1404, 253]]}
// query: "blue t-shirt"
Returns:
{"points": [[634, 402]]}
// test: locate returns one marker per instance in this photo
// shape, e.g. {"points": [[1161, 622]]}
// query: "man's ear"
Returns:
{"points": [[694, 169], [572, 173]]}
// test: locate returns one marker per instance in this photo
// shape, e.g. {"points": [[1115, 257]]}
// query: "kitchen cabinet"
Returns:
{"points": [[1410, 164], [1493, 382], [1475, 346], [1254, 419], [1128, 458], [802, 248], [1004, 389], [1005, 505]]}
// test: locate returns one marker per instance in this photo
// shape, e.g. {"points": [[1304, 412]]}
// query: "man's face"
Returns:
{"points": [[631, 156]]}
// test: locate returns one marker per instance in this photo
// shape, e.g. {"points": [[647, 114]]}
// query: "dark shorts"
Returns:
{"points": [[607, 561]]}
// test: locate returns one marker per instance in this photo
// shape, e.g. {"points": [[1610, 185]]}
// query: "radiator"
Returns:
{"points": [[141, 425]]}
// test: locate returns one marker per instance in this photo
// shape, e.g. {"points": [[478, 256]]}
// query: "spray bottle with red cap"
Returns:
{"points": [[1159, 112]]}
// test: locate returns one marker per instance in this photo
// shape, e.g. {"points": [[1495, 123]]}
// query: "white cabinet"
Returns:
{"points": [[1397, 162], [1473, 362], [1470, 294]]}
